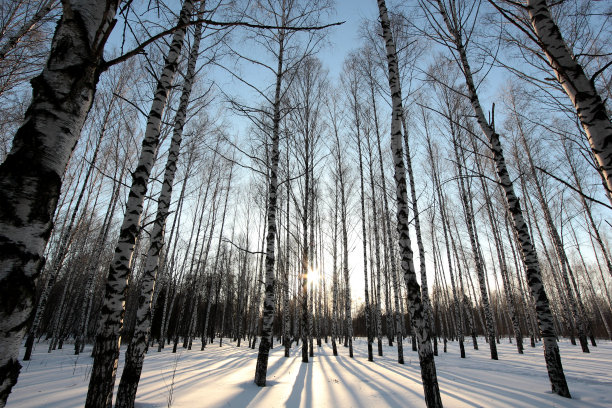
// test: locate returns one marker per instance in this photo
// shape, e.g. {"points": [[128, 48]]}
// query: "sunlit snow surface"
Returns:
{"points": [[223, 377]]}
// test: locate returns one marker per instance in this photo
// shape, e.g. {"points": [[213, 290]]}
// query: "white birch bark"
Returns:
{"points": [[417, 227], [269, 301], [501, 257], [556, 239], [30, 176], [529, 255], [415, 306], [396, 330], [334, 327], [590, 108], [345, 256], [457, 300], [63, 246], [587, 209], [375, 218], [134, 358], [469, 220], [216, 283], [286, 310], [363, 225], [108, 339]]}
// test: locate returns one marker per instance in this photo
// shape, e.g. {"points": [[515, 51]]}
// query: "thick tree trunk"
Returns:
{"points": [[590, 107], [64, 243], [31, 175]]}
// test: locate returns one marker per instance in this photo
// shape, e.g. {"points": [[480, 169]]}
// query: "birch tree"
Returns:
{"points": [[580, 88], [452, 32], [108, 339], [128, 385], [415, 306], [288, 54], [62, 96]]}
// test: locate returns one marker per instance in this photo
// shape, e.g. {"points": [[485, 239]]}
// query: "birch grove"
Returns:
{"points": [[177, 173]]}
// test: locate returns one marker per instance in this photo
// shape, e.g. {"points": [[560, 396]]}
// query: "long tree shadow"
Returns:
{"points": [[299, 386], [333, 364], [499, 391], [279, 364], [382, 392], [381, 364], [331, 394]]}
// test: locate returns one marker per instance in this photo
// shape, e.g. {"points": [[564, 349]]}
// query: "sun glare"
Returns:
{"points": [[313, 277]]}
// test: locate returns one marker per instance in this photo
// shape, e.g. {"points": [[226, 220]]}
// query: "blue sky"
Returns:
{"points": [[345, 38]]}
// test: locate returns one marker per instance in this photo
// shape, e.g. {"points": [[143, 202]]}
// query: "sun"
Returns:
{"points": [[313, 277]]}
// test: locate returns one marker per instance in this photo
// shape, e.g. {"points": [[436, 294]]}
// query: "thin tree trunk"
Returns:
{"points": [[375, 216], [269, 301], [363, 227], [469, 218], [134, 358], [417, 313], [102, 380], [530, 258], [419, 235]]}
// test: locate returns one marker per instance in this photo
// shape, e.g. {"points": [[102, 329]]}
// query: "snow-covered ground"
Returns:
{"points": [[223, 377]]}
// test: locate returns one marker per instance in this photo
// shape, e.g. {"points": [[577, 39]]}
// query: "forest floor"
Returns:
{"points": [[223, 377]]}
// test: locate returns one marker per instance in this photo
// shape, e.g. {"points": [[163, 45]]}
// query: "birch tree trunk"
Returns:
{"points": [[269, 301], [63, 245], [375, 217], [415, 306], [134, 358], [286, 310], [590, 107], [391, 256], [31, 175], [217, 282], [334, 327], [530, 258], [587, 209], [108, 339], [419, 235], [501, 257], [469, 219], [356, 113], [93, 268], [345, 255], [556, 239], [457, 300]]}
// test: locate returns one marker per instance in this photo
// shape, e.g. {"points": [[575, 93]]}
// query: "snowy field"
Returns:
{"points": [[223, 377]]}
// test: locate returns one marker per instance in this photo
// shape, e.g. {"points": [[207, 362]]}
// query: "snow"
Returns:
{"points": [[223, 377]]}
